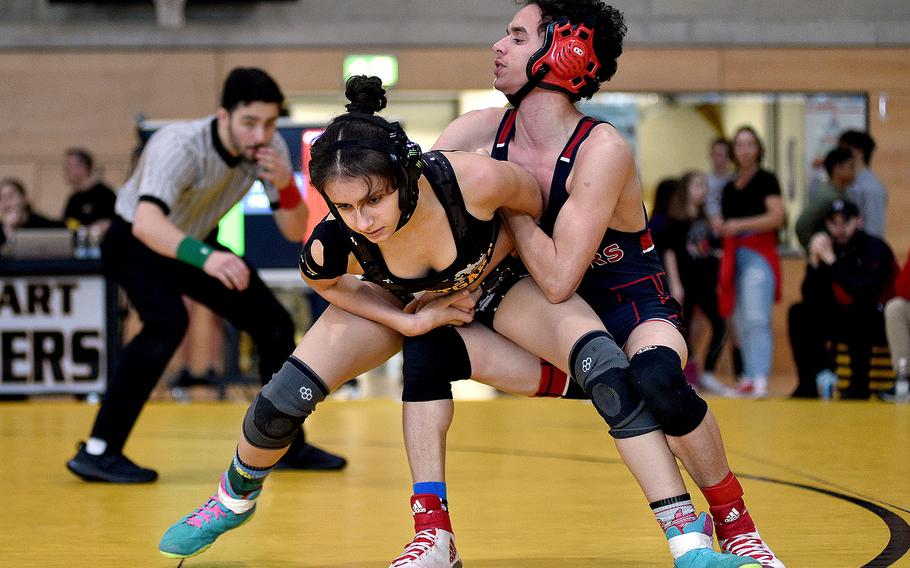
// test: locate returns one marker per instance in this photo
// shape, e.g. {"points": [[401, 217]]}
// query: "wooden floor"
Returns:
{"points": [[532, 484]]}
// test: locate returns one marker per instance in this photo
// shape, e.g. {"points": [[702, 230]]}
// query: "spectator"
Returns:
{"points": [[867, 192], [849, 274], [91, 203], [720, 175], [660, 219], [692, 260], [897, 325], [750, 269], [841, 168], [16, 212]]}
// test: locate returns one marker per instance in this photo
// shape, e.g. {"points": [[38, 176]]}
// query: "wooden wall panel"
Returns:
{"points": [[669, 70], [53, 100], [798, 69], [891, 162], [296, 70], [451, 68]]}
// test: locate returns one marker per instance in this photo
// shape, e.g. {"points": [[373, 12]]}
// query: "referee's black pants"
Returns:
{"points": [[155, 286]]}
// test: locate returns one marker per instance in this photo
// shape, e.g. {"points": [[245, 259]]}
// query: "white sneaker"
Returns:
{"points": [[753, 388], [760, 387], [430, 548], [752, 546], [710, 384]]}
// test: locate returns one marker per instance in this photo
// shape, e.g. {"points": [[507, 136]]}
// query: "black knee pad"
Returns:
{"points": [[658, 377], [277, 412], [602, 370], [431, 362]]}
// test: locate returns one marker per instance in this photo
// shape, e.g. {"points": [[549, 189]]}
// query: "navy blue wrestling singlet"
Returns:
{"points": [[625, 283]]}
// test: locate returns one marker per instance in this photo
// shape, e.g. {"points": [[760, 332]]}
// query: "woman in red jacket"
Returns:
{"points": [[750, 270]]}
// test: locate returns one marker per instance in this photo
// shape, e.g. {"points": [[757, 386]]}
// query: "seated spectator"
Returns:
{"points": [[897, 325], [849, 273], [867, 191], [841, 167], [16, 211], [91, 203]]}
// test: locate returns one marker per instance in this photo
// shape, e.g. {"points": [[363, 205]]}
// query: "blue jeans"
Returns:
{"points": [[752, 313]]}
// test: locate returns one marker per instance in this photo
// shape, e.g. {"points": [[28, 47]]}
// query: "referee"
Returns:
{"points": [[160, 247]]}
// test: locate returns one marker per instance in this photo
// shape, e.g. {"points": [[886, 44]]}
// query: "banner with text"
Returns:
{"points": [[53, 334]]}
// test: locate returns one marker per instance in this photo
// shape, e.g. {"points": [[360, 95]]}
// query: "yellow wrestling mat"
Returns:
{"points": [[532, 484]]}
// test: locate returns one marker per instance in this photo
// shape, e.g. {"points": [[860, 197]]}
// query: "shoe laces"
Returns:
{"points": [[210, 511], [422, 542], [748, 544]]}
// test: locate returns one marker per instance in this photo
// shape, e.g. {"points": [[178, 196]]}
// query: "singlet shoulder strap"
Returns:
{"points": [[441, 175], [558, 191], [504, 135], [584, 128]]}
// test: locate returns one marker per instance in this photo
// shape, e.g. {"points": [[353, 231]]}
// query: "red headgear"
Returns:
{"points": [[566, 59]]}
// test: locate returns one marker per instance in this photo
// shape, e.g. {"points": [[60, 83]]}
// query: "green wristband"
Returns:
{"points": [[193, 251]]}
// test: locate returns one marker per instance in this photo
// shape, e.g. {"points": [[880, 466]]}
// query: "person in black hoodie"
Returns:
{"points": [[848, 277]]}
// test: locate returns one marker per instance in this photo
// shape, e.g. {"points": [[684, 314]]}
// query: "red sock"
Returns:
{"points": [[430, 513], [553, 382], [725, 501]]}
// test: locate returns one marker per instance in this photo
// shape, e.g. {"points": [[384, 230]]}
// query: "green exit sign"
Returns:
{"points": [[383, 66]]}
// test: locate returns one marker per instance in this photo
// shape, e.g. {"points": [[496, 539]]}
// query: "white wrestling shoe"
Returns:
{"points": [[434, 544], [751, 545], [430, 548]]}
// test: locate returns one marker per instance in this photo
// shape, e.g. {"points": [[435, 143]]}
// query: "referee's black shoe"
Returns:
{"points": [[108, 468], [304, 456]]}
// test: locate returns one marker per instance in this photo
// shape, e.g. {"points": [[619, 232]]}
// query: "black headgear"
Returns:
{"points": [[403, 153], [566, 61]]}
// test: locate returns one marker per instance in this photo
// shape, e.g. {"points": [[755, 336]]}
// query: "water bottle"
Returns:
{"points": [[93, 248], [81, 242], [902, 381], [826, 382]]}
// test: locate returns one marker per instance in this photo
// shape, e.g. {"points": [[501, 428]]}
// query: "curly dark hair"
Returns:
{"points": [[609, 31]]}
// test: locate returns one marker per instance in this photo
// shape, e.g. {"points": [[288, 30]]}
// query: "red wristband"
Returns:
{"points": [[289, 196]]}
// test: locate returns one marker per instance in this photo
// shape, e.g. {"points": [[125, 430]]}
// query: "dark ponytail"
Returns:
{"points": [[365, 93]]}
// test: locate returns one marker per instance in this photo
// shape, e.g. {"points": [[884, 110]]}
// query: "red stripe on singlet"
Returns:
{"points": [[507, 128], [579, 136]]}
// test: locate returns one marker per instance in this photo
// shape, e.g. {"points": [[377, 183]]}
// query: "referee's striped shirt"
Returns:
{"points": [[186, 170]]}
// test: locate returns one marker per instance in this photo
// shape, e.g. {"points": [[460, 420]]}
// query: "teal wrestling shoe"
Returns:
{"points": [[196, 532], [697, 538]]}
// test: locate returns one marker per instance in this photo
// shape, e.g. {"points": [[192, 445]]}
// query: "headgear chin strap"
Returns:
{"points": [[566, 61], [403, 153]]}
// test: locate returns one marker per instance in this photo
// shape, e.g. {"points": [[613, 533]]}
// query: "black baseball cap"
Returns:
{"points": [[843, 207]]}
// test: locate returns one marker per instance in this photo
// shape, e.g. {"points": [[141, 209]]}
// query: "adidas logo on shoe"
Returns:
{"points": [[418, 507], [732, 516]]}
